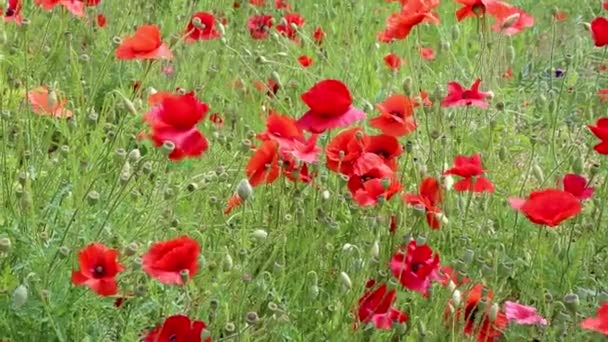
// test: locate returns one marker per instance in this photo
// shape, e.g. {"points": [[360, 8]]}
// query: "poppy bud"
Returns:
{"points": [[537, 172], [407, 85], [510, 20], [313, 291], [227, 262], [221, 29], [134, 155], [494, 309], [572, 302], [93, 197], [455, 32], [420, 240], [275, 77], [422, 328], [469, 256], [376, 250], [124, 178], [445, 45], [64, 252], [261, 60], [92, 118], [510, 54], [5, 245], [345, 280], [252, 318], [25, 200], [595, 168], [260, 234], [131, 249], [244, 189], [587, 26], [19, 297]]}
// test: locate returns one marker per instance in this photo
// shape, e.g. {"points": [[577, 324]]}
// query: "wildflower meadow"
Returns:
{"points": [[303, 170]]}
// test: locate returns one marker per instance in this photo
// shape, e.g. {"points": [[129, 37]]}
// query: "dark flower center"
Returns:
{"points": [[416, 266], [396, 113], [10, 12], [173, 338], [479, 9], [98, 271]]}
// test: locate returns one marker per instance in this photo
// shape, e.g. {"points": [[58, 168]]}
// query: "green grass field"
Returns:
{"points": [[246, 171]]}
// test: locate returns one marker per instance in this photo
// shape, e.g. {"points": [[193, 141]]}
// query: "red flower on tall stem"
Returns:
{"points": [[98, 269]]}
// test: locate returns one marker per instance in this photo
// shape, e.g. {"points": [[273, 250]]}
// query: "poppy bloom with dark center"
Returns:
{"points": [[98, 269], [177, 328], [415, 267], [259, 26], [13, 12], [172, 261], [458, 96], [396, 116], [548, 207], [201, 27], [376, 307], [470, 169], [146, 43], [330, 106], [386, 147], [428, 198]]}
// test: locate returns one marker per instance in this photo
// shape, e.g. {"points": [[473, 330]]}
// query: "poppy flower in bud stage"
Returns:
{"points": [[458, 96], [201, 27], [305, 61], [263, 167], [146, 43], [415, 267], [375, 307], [548, 207], [392, 61], [601, 131], [45, 102], [470, 169], [259, 26], [599, 323], [172, 261], [427, 53], [330, 106], [174, 119], [578, 186], [396, 116], [344, 150], [318, 36], [428, 198], [286, 26], [13, 12], [177, 328], [98, 269], [478, 322]]}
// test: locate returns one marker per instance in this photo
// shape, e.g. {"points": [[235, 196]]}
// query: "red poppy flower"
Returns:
{"points": [[483, 327], [174, 119], [376, 307], [101, 20], [387, 147], [560, 16], [172, 261], [471, 8], [286, 27], [217, 120], [257, 3], [144, 44], [13, 12], [599, 323], [201, 27], [548, 207], [318, 36], [271, 87], [471, 170], [330, 106], [415, 267], [73, 6], [428, 198], [425, 99], [177, 328], [605, 5], [392, 61], [305, 61], [510, 20], [263, 167], [259, 26], [603, 95], [601, 131], [448, 274], [98, 269], [282, 5], [44, 102], [578, 186], [368, 191], [344, 150], [427, 53], [396, 116], [399, 25], [599, 31], [458, 96]]}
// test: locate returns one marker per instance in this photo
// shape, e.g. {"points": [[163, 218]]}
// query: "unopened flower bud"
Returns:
{"points": [[537, 172], [168, 147], [345, 280], [227, 262], [134, 155], [455, 32], [260, 234], [244, 189], [20, 297], [5, 245], [64, 252], [571, 302], [494, 309], [93, 197], [376, 250], [131, 249], [407, 85]]}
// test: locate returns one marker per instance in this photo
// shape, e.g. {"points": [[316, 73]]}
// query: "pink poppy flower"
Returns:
{"points": [[458, 96], [522, 314]]}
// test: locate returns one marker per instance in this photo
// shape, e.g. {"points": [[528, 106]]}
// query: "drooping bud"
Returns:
{"points": [[20, 297], [494, 309], [345, 280], [244, 189], [5, 245]]}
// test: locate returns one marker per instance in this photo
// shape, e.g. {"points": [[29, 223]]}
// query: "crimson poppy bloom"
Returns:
{"points": [[282, 5], [578, 186], [344, 150], [146, 43], [368, 191], [174, 119], [73, 6], [98, 269], [415, 267], [201, 27], [289, 136], [318, 36], [44, 102], [330, 106], [448, 275], [428, 198], [172, 261], [376, 307], [458, 96], [259, 26], [601, 131], [101, 20], [548, 207], [286, 27], [472, 172], [305, 61], [392, 61], [13, 12], [483, 327], [177, 328], [263, 167], [399, 26], [599, 323], [387, 147], [427, 53], [396, 116], [471, 8]]}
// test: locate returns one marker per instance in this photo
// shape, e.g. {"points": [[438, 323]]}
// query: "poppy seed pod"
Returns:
{"points": [[407, 85], [571, 302], [5, 245], [168, 147], [131, 249], [93, 197], [64, 252], [227, 262], [252, 318]]}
